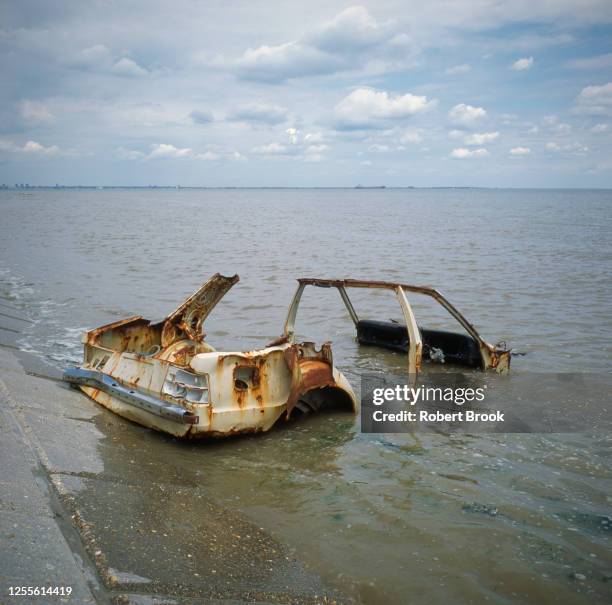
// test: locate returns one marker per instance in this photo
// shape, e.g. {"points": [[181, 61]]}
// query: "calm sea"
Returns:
{"points": [[391, 517]]}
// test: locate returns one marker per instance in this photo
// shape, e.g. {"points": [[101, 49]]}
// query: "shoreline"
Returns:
{"points": [[79, 512]]}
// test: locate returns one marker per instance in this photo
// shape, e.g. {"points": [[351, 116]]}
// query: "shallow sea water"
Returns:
{"points": [[431, 518]]}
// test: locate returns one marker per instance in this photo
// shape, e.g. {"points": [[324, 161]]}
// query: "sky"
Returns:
{"points": [[490, 93]]}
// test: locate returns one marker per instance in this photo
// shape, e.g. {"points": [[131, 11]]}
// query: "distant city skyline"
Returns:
{"points": [[484, 94]]}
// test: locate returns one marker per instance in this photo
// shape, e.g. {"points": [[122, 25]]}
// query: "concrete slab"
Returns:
{"points": [[34, 550], [34, 553]]}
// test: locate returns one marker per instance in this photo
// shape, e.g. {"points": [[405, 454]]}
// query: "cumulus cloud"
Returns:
{"points": [[31, 148], [523, 64], [480, 138], [599, 128], [457, 70], [350, 41], [100, 58], [128, 68], [309, 147], [207, 156], [94, 56], [169, 151], [266, 114], [466, 114], [314, 137], [367, 108], [520, 151], [595, 99], [165, 150], [352, 30], [462, 153], [34, 147]]}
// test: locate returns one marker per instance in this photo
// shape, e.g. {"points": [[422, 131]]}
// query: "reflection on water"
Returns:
{"points": [[433, 518]]}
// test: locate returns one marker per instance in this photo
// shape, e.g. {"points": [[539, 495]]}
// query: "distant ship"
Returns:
{"points": [[370, 186]]}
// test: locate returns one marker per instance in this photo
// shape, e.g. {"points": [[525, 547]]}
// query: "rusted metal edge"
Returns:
{"points": [[386, 285], [99, 380]]}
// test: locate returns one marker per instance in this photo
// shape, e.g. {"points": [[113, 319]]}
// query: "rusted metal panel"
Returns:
{"points": [[493, 357], [168, 365], [415, 344], [157, 368]]}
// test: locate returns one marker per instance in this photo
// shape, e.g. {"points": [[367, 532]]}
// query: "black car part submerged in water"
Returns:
{"points": [[468, 349]]}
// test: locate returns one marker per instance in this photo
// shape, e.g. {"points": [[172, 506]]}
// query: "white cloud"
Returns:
{"points": [[100, 58], [168, 151], [353, 29], [207, 156], [259, 112], [520, 151], [350, 41], [597, 62], [94, 56], [567, 147], [480, 138], [523, 64], [456, 134], [457, 70], [165, 150], [31, 148], [595, 99], [599, 128], [314, 137], [293, 134], [367, 108], [466, 114], [282, 62], [462, 153], [35, 112], [128, 68], [34, 147]]}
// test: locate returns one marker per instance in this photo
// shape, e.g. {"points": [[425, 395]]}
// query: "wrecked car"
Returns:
{"points": [[467, 349], [165, 376]]}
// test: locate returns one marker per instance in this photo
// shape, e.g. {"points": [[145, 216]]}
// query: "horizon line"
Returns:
{"points": [[20, 187]]}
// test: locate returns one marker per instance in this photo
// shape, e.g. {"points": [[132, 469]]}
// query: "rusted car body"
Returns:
{"points": [[165, 376], [469, 349]]}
